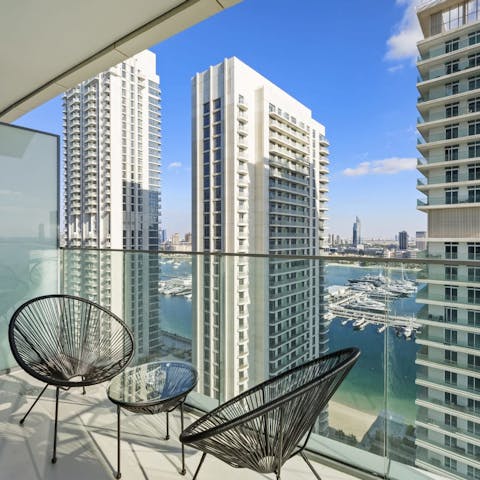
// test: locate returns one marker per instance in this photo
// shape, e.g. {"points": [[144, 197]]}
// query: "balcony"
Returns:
{"points": [[88, 424], [437, 73], [463, 134], [463, 178], [87, 440], [284, 316], [430, 99]]}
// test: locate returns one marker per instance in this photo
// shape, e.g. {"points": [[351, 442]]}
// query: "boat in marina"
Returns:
{"points": [[359, 324], [362, 287], [176, 286], [380, 285], [406, 331], [382, 328], [367, 304]]}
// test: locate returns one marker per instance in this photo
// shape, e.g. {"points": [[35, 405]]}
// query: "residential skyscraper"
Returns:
{"points": [[259, 186], [112, 158], [112, 186], [403, 240], [357, 233], [448, 377]]}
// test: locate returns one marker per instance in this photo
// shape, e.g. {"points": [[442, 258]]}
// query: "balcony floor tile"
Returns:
{"points": [[86, 446]]}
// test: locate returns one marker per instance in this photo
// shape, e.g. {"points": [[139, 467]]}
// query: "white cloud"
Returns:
{"points": [[395, 68], [175, 165], [402, 44], [387, 166], [362, 169]]}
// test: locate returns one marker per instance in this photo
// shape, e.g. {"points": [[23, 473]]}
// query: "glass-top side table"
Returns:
{"points": [[152, 388]]}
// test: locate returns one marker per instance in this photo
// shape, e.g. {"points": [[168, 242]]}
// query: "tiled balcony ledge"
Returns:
{"points": [[87, 440]]}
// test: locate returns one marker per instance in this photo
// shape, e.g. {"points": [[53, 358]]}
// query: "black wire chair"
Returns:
{"points": [[263, 427], [68, 341]]}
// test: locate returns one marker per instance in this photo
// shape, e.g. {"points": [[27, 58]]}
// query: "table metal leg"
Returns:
{"points": [[183, 472], [118, 475], [167, 437]]}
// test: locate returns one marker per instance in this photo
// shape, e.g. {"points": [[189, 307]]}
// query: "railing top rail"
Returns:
{"points": [[325, 258]]}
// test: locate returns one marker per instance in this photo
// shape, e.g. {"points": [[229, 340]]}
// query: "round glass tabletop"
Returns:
{"points": [[152, 383]]}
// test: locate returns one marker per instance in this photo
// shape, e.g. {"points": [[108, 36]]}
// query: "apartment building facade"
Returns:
{"points": [[448, 377], [112, 199], [260, 183]]}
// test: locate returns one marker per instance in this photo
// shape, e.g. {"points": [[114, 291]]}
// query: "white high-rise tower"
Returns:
{"points": [[112, 190], [259, 186], [448, 376], [112, 157]]}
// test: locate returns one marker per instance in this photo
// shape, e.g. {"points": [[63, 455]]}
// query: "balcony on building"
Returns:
{"points": [[362, 436]]}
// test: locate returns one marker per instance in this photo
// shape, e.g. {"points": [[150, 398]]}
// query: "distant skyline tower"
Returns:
{"points": [[448, 358], [403, 240], [111, 167], [357, 233], [260, 175]]}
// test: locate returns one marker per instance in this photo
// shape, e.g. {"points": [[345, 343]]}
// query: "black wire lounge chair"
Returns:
{"points": [[263, 427], [68, 341]]}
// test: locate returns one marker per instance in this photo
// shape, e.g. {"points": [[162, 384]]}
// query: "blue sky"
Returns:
{"points": [[351, 62]]}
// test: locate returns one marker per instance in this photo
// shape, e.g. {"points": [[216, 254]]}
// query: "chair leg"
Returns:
{"points": [[54, 457], [317, 476], [199, 466], [33, 404], [183, 472], [167, 436], [118, 475]]}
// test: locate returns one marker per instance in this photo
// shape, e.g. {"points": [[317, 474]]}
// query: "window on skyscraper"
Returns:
{"points": [[473, 340], [474, 251], [474, 60], [451, 196], [473, 82], [451, 88], [474, 194], [451, 45], [450, 338], [473, 296], [450, 378], [451, 293], [452, 66], [451, 109], [451, 131], [474, 383], [451, 174], [451, 152]]}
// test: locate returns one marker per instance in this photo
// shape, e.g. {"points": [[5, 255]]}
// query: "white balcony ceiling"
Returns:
{"points": [[49, 46]]}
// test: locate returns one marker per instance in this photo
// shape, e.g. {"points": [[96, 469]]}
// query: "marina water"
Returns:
{"points": [[374, 385]]}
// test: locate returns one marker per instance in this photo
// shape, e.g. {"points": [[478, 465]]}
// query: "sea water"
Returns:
{"points": [[373, 385], [376, 385]]}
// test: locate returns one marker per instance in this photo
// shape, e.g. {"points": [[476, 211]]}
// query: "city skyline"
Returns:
{"points": [[369, 165]]}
